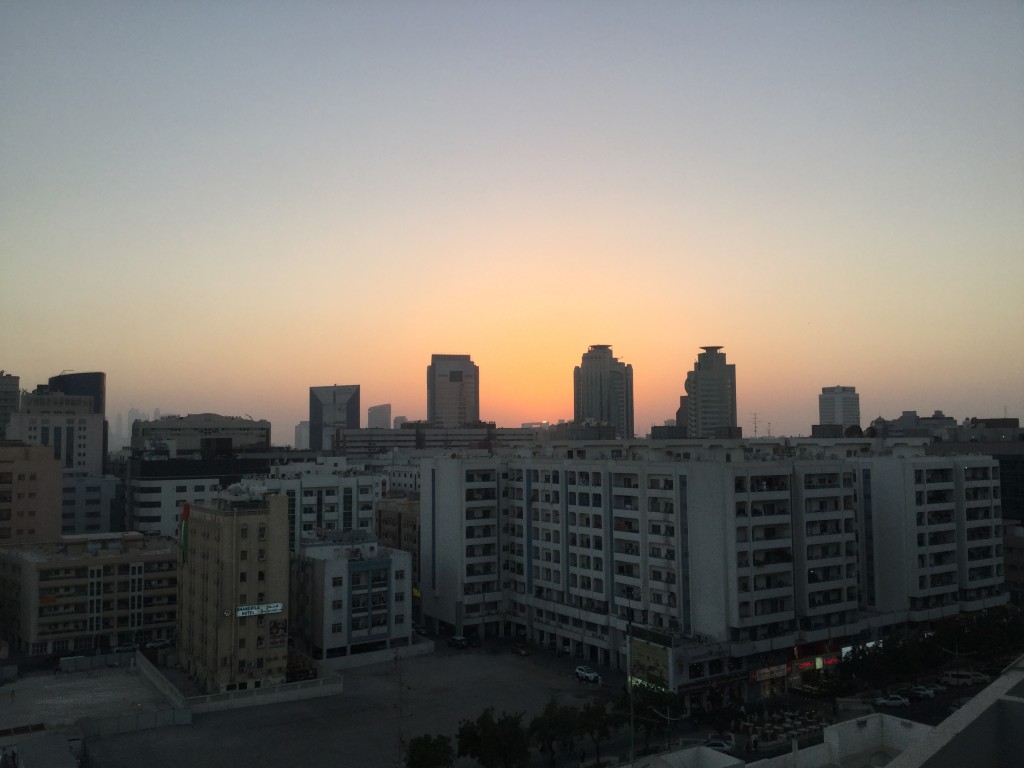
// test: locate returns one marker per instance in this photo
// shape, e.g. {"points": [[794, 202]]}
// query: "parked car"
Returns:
{"points": [[723, 742], [520, 650], [458, 641], [587, 674], [963, 677], [158, 644], [892, 700], [126, 648], [922, 692], [936, 687]]}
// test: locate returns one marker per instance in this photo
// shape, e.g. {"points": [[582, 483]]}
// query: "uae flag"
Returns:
{"points": [[184, 534]]}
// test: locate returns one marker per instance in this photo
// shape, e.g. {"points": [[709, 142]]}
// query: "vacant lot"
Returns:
{"points": [[360, 727]]}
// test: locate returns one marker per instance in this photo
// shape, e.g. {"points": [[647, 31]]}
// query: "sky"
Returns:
{"points": [[223, 204]]}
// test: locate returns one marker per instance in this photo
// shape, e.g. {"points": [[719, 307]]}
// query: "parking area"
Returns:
{"points": [[381, 707]]}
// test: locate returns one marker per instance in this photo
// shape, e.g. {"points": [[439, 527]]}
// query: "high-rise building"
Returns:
{"points": [[68, 424], [839, 406], [233, 592], [711, 397], [378, 416], [10, 399], [331, 408], [453, 391], [603, 388]]}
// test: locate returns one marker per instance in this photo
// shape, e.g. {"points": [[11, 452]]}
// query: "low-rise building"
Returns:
{"points": [[350, 595], [92, 592], [30, 493]]}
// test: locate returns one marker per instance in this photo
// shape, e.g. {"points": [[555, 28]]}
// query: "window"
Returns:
{"points": [[263, 554], [241, 642], [263, 532], [337, 581], [241, 666], [244, 532], [261, 576], [243, 555], [337, 629], [399, 575], [241, 577], [400, 619], [336, 604], [399, 597]]}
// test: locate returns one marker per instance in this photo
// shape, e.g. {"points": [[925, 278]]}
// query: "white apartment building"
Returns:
{"points": [[329, 494], [730, 555], [839, 406], [942, 552], [87, 503], [350, 595], [66, 424]]}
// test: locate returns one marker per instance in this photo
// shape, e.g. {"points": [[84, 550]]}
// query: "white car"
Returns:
{"points": [[722, 742], [922, 692], [587, 674], [892, 700]]}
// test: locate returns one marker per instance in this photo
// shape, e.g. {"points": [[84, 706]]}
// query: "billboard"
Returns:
{"points": [[649, 663]]}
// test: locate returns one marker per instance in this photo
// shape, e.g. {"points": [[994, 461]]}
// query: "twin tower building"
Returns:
{"points": [[602, 395]]}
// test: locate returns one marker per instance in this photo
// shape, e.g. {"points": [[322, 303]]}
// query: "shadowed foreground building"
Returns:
{"points": [[85, 593], [233, 618]]}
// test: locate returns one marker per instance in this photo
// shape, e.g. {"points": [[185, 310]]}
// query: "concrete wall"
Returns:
{"points": [[421, 648], [158, 681], [272, 694], [135, 721]]}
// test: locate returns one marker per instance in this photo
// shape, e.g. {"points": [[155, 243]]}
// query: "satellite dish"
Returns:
{"points": [[227, 611]]}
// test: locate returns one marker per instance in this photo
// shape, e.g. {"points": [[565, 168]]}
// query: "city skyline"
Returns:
{"points": [[831, 193]]}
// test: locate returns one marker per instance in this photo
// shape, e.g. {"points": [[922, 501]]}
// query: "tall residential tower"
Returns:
{"points": [[710, 407], [453, 391], [839, 406], [603, 390]]}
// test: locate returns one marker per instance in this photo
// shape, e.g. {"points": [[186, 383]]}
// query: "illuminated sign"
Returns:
{"points": [[256, 610], [768, 673], [818, 662]]}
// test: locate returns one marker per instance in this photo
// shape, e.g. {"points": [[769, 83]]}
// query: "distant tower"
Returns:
{"points": [[331, 408], [301, 436], [400, 420], [711, 397], [453, 391], [603, 390], [839, 406], [10, 399], [378, 416]]}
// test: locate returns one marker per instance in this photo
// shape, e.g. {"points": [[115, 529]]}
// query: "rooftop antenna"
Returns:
{"points": [[755, 425]]}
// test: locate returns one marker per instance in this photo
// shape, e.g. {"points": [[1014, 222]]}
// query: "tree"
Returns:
{"points": [[554, 728], [494, 742], [596, 722], [428, 751]]}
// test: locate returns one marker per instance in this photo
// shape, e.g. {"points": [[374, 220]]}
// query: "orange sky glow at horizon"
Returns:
{"points": [[294, 197]]}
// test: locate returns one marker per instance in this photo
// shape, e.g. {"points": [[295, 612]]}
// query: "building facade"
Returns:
{"points": [[10, 399], [67, 424], [331, 408], [205, 435], [350, 595], [30, 493], [731, 558], [378, 416], [710, 406], [82, 594], [453, 391], [603, 391], [839, 406], [233, 592]]}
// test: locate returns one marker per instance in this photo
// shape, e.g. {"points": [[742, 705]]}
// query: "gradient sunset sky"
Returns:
{"points": [[223, 204]]}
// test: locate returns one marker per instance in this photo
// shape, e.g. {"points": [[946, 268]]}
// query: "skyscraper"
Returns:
{"points": [[378, 416], [453, 391], [10, 399], [710, 406], [331, 408], [840, 406], [603, 390]]}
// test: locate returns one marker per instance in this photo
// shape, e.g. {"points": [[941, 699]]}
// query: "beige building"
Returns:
{"points": [[233, 621], [398, 527], [81, 593], [30, 494]]}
